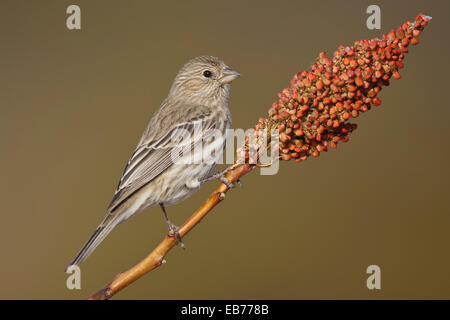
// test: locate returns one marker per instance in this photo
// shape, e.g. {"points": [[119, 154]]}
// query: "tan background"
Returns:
{"points": [[74, 103]]}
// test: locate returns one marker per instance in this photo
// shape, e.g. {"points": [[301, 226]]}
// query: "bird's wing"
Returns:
{"points": [[156, 154]]}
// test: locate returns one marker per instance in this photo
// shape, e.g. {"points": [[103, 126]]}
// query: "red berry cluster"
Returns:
{"points": [[312, 113]]}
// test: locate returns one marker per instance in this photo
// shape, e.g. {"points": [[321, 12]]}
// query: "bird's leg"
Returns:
{"points": [[221, 176], [173, 229]]}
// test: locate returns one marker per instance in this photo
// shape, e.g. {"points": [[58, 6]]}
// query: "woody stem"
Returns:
{"points": [[156, 257]]}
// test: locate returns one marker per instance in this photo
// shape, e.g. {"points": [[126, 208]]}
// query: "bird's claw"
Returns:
{"points": [[173, 231], [227, 183]]}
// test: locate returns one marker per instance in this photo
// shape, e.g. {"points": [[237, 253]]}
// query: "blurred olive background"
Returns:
{"points": [[74, 104]]}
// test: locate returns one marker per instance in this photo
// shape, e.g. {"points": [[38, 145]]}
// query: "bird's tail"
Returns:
{"points": [[96, 238]]}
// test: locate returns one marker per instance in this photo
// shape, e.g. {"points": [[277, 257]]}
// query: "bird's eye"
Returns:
{"points": [[207, 74]]}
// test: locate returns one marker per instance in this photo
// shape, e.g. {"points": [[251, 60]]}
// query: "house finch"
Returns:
{"points": [[160, 170]]}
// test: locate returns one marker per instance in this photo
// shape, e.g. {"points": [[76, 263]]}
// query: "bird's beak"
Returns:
{"points": [[229, 75]]}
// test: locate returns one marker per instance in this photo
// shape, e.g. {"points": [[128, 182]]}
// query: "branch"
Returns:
{"points": [[310, 115], [156, 257]]}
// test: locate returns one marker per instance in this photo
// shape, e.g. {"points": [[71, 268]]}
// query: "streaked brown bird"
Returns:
{"points": [[165, 169]]}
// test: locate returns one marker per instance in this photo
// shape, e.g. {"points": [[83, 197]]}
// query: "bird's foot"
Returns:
{"points": [[226, 182], [221, 177], [173, 231], [229, 184]]}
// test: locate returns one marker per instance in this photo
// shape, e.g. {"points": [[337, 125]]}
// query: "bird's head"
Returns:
{"points": [[204, 79]]}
